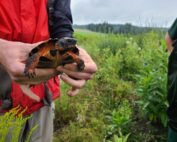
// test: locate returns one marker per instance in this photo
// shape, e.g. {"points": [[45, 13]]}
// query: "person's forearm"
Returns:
{"points": [[169, 43], [60, 19]]}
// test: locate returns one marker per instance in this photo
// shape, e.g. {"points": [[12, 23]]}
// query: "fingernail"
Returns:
{"points": [[69, 93], [73, 92]]}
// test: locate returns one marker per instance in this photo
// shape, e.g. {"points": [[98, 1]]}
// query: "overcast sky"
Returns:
{"points": [[138, 12]]}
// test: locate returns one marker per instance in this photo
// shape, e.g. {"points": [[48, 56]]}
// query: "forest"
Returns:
{"points": [[126, 28]]}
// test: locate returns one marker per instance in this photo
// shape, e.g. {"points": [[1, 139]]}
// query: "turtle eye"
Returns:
{"points": [[71, 41], [61, 43], [65, 42]]}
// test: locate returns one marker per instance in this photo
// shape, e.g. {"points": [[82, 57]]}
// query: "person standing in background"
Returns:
{"points": [[171, 42]]}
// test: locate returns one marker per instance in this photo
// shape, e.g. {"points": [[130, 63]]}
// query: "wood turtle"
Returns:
{"points": [[53, 53]]}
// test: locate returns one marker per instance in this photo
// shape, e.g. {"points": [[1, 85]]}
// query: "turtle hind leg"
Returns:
{"points": [[31, 64]]}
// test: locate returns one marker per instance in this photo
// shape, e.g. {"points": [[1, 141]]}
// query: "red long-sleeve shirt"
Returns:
{"points": [[27, 21]]}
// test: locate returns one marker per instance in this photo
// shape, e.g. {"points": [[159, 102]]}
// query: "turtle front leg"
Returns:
{"points": [[78, 60], [31, 64]]}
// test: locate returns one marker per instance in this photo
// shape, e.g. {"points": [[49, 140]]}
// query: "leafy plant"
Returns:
{"points": [[12, 122], [120, 138], [152, 82], [118, 118]]}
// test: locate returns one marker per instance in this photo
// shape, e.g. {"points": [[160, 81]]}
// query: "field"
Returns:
{"points": [[126, 100]]}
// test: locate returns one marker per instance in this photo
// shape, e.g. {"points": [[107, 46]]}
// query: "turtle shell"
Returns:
{"points": [[53, 58]]}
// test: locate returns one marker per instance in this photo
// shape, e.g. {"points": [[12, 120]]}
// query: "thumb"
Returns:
{"points": [[34, 45], [29, 93], [73, 91]]}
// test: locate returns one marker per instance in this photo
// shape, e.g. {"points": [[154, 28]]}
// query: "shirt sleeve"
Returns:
{"points": [[173, 30], [60, 18]]}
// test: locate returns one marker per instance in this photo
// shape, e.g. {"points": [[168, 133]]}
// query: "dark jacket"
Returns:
{"points": [[60, 18]]}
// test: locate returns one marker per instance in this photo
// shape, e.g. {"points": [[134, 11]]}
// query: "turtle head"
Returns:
{"points": [[67, 42]]}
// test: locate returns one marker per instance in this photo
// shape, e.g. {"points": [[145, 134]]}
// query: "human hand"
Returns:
{"points": [[13, 56], [77, 79]]}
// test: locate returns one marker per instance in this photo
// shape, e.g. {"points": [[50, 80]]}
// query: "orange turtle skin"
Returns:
{"points": [[53, 53]]}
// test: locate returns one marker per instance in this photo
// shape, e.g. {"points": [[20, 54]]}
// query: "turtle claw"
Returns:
{"points": [[33, 74], [81, 65], [30, 73]]}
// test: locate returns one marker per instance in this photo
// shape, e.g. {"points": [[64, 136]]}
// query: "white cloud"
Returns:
{"points": [[141, 12]]}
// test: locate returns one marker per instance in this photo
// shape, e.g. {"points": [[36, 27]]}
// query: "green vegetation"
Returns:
{"points": [[13, 122], [126, 100]]}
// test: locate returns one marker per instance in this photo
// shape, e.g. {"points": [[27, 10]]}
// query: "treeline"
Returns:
{"points": [[118, 28]]}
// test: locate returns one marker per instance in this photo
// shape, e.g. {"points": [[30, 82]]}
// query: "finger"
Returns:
{"points": [[41, 76], [90, 67], [73, 91], [25, 82], [72, 82], [45, 72], [71, 67], [74, 74], [29, 93]]}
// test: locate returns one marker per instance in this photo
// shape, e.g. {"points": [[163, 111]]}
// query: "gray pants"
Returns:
{"points": [[44, 132]]}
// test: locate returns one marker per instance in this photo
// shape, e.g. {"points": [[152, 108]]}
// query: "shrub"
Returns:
{"points": [[152, 82]]}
